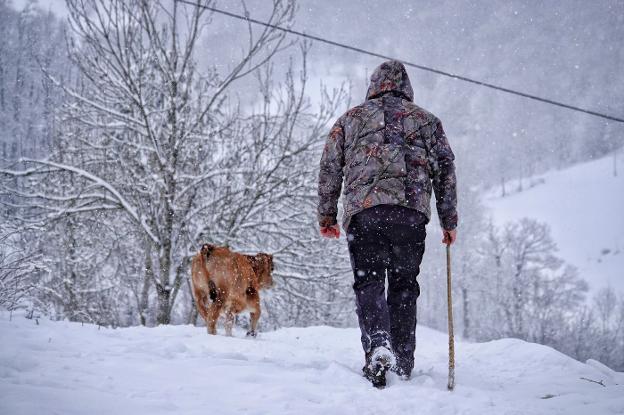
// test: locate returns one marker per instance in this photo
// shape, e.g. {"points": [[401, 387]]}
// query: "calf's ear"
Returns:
{"points": [[270, 259], [206, 249]]}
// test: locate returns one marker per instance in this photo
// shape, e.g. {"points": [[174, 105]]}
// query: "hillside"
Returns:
{"points": [[66, 368], [584, 207]]}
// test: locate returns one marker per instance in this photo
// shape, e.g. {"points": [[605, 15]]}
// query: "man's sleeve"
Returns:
{"points": [[444, 180], [330, 176]]}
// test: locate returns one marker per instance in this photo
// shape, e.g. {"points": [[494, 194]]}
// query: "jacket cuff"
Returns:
{"points": [[325, 221], [449, 222]]}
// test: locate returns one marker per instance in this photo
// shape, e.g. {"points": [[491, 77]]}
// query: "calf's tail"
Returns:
{"points": [[213, 293]]}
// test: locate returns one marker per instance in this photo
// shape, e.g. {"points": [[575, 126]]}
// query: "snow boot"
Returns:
{"points": [[403, 368], [402, 372], [378, 362]]}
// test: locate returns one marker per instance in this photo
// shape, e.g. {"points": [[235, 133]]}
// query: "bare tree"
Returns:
{"points": [[149, 136], [18, 272]]}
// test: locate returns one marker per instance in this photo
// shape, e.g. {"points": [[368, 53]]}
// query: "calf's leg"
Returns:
{"points": [[253, 302], [200, 303], [214, 309], [229, 322]]}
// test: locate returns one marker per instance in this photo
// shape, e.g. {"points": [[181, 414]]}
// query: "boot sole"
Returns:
{"points": [[377, 375]]}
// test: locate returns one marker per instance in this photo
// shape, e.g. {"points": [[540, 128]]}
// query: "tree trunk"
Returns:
{"points": [[192, 318], [163, 288], [149, 276], [164, 307]]}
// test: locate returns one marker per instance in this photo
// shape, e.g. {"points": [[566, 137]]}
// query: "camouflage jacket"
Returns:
{"points": [[389, 151]]}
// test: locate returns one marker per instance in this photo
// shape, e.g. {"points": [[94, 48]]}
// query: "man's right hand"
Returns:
{"points": [[449, 236], [331, 231]]}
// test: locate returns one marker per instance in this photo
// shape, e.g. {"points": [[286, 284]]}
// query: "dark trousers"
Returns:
{"points": [[387, 240]]}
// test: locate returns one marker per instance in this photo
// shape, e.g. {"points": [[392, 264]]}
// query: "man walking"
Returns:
{"points": [[391, 154]]}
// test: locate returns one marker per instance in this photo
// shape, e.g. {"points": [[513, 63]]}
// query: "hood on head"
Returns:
{"points": [[390, 76]]}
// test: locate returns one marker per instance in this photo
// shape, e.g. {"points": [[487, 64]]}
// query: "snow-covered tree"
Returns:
{"points": [[153, 146]]}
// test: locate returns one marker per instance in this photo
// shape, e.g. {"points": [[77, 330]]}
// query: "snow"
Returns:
{"points": [[584, 207], [66, 368]]}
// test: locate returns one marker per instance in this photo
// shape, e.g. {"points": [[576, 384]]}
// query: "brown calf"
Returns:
{"points": [[229, 282]]}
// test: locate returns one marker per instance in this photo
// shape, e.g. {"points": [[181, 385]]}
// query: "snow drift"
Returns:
{"points": [[67, 368]]}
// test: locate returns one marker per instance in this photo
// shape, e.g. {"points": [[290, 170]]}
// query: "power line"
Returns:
{"points": [[411, 64]]}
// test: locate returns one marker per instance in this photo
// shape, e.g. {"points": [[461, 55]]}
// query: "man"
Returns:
{"points": [[391, 154]]}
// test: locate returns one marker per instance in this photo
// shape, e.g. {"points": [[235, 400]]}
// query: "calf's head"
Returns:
{"points": [[263, 267]]}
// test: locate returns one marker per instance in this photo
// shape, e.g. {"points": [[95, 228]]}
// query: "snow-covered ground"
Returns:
{"points": [[66, 368], [584, 206]]}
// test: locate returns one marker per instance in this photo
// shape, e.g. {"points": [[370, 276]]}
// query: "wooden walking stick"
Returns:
{"points": [[451, 375]]}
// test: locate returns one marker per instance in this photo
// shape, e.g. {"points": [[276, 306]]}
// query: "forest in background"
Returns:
{"points": [[122, 151]]}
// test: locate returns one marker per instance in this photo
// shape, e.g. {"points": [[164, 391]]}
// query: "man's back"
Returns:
{"points": [[391, 154], [388, 150]]}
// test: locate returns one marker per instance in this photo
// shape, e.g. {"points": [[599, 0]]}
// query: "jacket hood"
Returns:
{"points": [[390, 76]]}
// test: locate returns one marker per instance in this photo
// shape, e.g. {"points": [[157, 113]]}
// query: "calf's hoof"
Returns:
{"points": [[252, 333]]}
